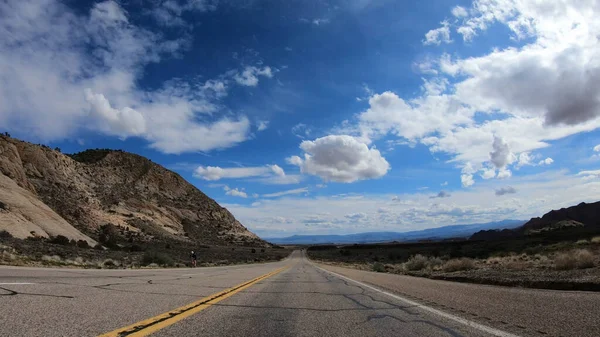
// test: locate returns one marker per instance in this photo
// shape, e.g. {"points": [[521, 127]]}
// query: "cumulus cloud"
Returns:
{"points": [[340, 158], [546, 161], [124, 122], [467, 180], [249, 76], [556, 100], [460, 12], [235, 192], [504, 173], [506, 190], [441, 194], [65, 71], [277, 170], [500, 155], [439, 35], [488, 173], [597, 148]]}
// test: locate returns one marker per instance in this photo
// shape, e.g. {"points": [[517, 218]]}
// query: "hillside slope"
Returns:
{"points": [[97, 187], [582, 217]]}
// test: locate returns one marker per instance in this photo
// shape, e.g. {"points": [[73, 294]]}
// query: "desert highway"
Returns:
{"points": [[294, 297]]}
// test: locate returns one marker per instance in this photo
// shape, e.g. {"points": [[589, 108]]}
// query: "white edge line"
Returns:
{"points": [[461, 320], [15, 283]]}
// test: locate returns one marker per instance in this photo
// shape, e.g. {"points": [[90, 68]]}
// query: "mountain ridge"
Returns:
{"points": [[443, 232], [97, 187]]}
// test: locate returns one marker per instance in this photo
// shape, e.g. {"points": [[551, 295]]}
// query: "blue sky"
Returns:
{"points": [[322, 116]]}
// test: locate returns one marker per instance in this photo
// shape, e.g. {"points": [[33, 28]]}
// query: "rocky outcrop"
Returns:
{"points": [[98, 187]]}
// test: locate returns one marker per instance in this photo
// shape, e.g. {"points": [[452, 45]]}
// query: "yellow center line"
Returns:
{"points": [[153, 324]]}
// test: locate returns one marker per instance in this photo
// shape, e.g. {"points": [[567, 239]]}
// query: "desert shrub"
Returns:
{"points": [[98, 247], [136, 248], [458, 264], [595, 239], [576, 259], [434, 263], [253, 250], [60, 240], [52, 259], [262, 250], [416, 262], [582, 242], [109, 235], [83, 244], [158, 258], [378, 267], [109, 263], [5, 235]]}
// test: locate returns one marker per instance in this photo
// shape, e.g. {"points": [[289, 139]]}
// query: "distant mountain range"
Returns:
{"points": [[374, 237]]}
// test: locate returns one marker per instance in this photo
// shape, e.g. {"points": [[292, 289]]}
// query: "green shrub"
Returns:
{"points": [[378, 267], [416, 262]]}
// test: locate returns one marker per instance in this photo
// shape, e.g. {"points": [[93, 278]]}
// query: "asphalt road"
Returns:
{"points": [[293, 297]]}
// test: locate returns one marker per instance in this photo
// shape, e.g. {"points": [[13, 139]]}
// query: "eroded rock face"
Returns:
{"points": [[96, 187]]}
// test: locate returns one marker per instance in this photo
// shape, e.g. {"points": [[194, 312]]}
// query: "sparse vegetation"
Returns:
{"points": [[458, 265], [158, 258], [416, 262], [5, 235], [595, 239], [378, 267], [60, 240], [576, 259]]}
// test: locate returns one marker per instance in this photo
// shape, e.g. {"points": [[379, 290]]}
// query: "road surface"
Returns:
{"points": [[293, 297]]}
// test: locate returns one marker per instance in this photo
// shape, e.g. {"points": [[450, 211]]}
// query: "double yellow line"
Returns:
{"points": [[153, 324]]}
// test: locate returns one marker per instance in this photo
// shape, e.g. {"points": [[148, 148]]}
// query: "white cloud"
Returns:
{"points": [[439, 35], [504, 173], [294, 160], [459, 12], [555, 101], [445, 183], [277, 170], [65, 71], [125, 122], [235, 192], [505, 190], [318, 22], [262, 125], [588, 175], [500, 155], [546, 161], [169, 12], [467, 180], [536, 195], [301, 131], [597, 148], [288, 192], [217, 173], [341, 159], [488, 173], [249, 76]]}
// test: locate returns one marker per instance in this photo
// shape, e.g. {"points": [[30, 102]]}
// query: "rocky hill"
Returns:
{"points": [[95, 193], [581, 217]]}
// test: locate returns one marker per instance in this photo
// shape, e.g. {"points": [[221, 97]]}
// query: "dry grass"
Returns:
{"points": [[458, 264], [576, 259], [582, 242], [595, 239]]}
